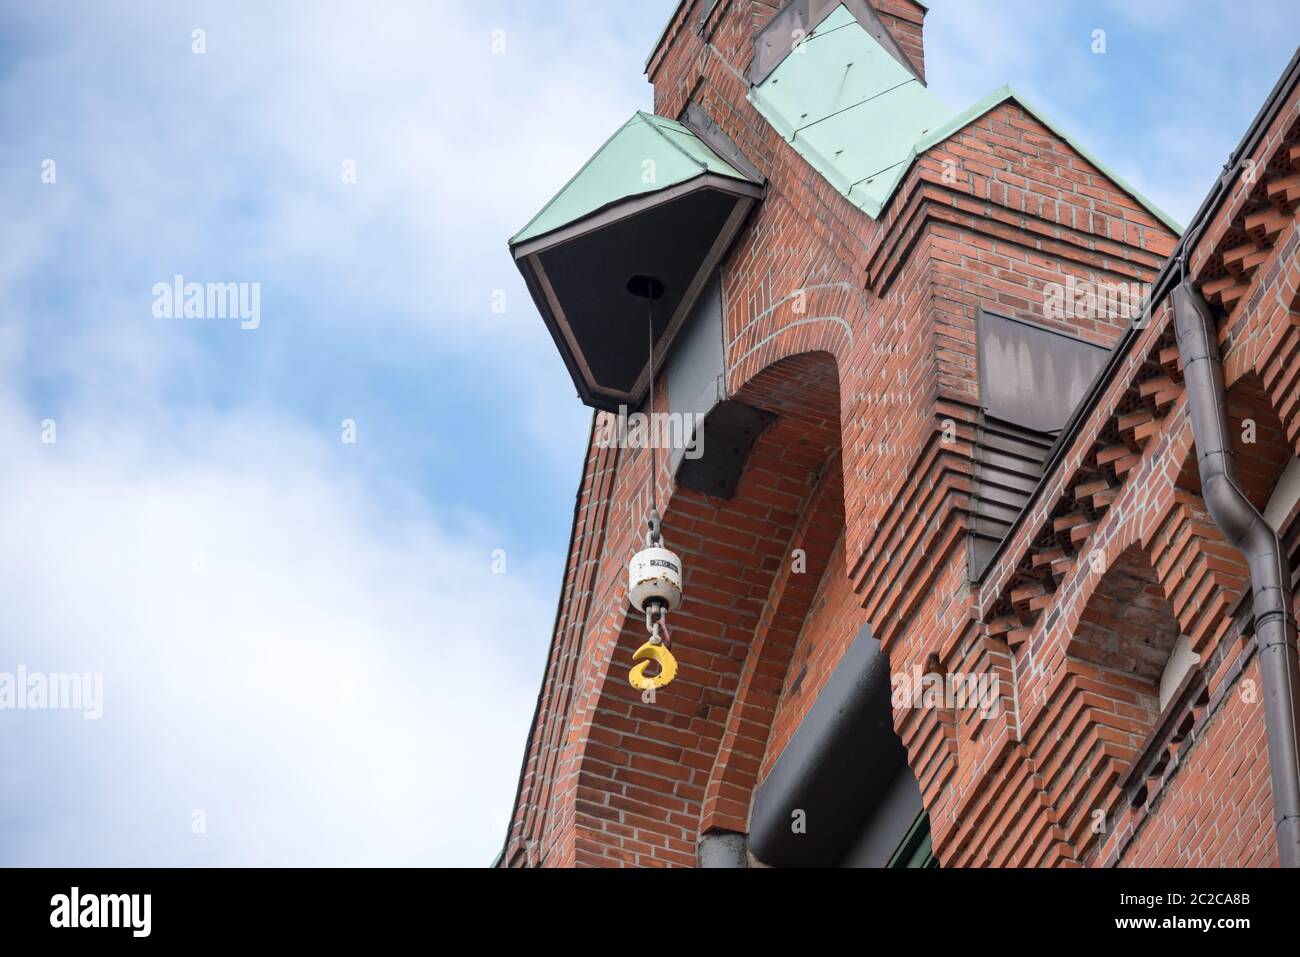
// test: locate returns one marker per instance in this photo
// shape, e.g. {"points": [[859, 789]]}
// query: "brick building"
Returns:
{"points": [[959, 588]]}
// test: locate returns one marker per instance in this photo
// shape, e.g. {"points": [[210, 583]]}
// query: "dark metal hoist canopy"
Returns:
{"points": [[655, 200]]}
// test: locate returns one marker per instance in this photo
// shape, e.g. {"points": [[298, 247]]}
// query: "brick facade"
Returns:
{"points": [[860, 335]]}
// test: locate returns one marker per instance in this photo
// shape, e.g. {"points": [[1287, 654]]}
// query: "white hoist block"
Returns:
{"points": [[655, 576]]}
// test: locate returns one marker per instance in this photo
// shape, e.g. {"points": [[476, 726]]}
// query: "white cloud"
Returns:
{"points": [[331, 683]]}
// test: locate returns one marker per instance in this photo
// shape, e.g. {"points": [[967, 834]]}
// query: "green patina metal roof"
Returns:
{"points": [[621, 169], [849, 108], [860, 118]]}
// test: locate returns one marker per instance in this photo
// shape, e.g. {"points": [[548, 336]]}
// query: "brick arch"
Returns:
{"points": [[1127, 627], [817, 318], [804, 391], [1204, 576], [1107, 699], [1259, 463], [1260, 331], [748, 732], [646, 770], [1067, 760]]}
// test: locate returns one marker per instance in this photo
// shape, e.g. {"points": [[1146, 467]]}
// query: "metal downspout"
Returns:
{"points": [[1270, 574]]}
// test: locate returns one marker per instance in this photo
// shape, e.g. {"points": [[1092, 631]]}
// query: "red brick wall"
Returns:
{"points": [[1220, 813]]}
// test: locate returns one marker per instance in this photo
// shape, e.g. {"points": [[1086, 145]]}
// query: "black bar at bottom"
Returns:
{"points": [[576, 909]]}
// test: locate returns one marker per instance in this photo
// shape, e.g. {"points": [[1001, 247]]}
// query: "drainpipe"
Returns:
{"points": [[1270, 572]]}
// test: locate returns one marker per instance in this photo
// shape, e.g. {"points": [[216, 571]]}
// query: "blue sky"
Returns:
{"points": [[302, 638]]}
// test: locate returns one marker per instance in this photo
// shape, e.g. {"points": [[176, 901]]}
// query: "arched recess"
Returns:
{"points": [[1109, 699], [1203, 574], [804, 392], [1259, 441], [647, 769]]}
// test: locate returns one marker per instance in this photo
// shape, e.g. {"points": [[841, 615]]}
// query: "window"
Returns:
{"points": [[915, 850]]}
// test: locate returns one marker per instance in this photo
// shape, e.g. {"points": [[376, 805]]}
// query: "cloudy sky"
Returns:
{"points": [[307, 655]]}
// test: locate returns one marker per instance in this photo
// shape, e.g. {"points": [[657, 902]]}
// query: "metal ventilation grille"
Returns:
{"points": [[1031, 377], [1009, 461]]}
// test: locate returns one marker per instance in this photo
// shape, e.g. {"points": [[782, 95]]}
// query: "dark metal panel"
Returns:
{"points": [[1002, 501], [1014, 473], [982, 549], [726, 437], [1014, 442], [1030, 380], [706, 7], [1005, 488], [1032, 376], [678, 234], [836, 769], [695, 365], [714, 457]]}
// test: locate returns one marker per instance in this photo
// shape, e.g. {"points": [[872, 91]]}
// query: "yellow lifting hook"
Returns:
{"points": [[660, 655], [653, 650]]}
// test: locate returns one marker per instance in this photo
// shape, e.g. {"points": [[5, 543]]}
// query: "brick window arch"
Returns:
{"points": [[1127, 629], [1116, 659]]}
